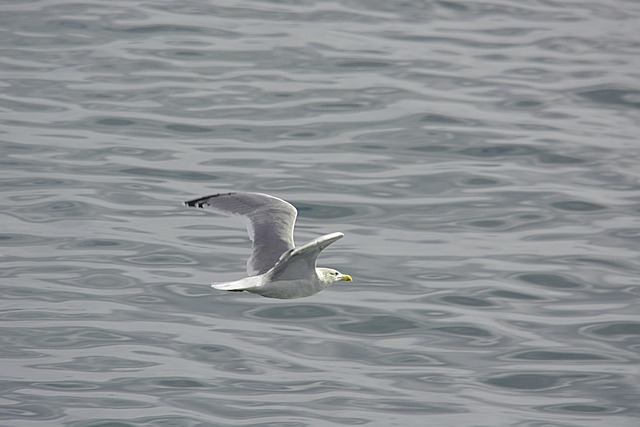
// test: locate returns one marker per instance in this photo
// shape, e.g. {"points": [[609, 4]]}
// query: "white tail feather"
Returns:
{"points": [[239, 285]]}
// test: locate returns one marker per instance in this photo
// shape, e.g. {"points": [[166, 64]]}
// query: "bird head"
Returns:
{"points": [[335, 275]]}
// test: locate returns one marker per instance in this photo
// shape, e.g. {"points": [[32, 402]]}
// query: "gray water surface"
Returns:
{"points": [[480, 157]]}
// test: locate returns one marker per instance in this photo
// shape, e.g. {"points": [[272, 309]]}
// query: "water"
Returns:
{"points": [[481, 159]]}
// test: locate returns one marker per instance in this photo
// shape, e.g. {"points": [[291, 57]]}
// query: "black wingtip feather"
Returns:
{"points": [[200, 201]]}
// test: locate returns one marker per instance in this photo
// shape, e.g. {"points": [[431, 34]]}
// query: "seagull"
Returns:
{"points": [[276, 268]]}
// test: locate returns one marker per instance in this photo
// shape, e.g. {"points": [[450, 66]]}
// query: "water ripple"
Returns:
{"points": [[481, 159]]}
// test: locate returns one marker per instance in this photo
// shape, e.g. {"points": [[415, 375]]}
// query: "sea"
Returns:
{"points": [[482, 159]]}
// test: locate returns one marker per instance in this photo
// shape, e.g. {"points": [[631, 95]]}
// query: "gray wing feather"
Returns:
{"points": [[269, 221], [300, 263]]}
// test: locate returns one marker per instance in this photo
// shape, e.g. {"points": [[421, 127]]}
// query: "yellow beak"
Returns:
{"points": [[346, 278]]}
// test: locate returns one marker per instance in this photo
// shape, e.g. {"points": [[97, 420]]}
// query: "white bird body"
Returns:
{"points": [[277, 269], [283, 289]]}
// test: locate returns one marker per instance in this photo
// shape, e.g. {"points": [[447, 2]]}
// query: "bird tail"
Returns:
{"points": [[245, 284]]}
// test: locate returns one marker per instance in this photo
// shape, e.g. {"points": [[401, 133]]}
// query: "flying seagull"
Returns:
{"points": [[277, 269]]}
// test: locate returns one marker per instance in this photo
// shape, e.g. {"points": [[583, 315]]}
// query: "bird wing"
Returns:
{"points": [[300, 263], [269, 221]]}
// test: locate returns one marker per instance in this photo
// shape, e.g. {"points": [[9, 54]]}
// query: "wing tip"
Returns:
{"points": [[195, 203], [200, 202], [335, 235]]}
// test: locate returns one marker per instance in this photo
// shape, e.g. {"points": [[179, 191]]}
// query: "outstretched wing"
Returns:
{"points": [[269, 221], [300, 263]]}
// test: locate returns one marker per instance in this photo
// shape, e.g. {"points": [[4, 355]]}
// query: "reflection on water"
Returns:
{"points": [[480, 159]]}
